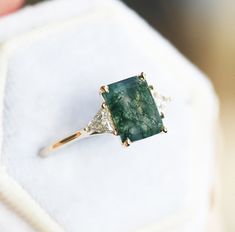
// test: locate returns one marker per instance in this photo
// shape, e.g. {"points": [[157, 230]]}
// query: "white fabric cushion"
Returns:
{"points": [[54, 70]]}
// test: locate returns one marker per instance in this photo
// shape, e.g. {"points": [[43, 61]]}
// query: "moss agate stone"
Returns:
{"points": [[133, 109]]}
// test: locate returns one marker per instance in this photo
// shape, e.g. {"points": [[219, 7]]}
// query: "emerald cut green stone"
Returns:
{"points": [[133, 109]]}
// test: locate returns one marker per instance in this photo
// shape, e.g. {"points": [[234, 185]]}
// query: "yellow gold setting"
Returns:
{"points": [[104, 89], [127, 142]]}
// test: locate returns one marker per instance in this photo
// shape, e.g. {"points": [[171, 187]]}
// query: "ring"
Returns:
{"points": [[130, 109]]}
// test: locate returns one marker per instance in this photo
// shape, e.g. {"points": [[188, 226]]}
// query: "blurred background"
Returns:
{"points": [[204, 31]]}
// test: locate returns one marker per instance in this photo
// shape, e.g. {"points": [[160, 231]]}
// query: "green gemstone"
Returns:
{"points": [[133, 109]]}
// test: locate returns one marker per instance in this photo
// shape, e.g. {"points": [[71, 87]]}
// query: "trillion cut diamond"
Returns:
{"points": [[102, 122], [160, 100]]}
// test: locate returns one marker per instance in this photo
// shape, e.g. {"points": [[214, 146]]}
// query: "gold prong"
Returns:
{"points": [[127, 142], [104, 89], [164, 129], [115, 132], [86, 129], [162, 115], [142, 76], [104, 106], [151, 87]]}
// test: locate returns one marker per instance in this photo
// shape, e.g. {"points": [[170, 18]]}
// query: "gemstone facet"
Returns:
{"points": [[133, 109], [102, 122]]}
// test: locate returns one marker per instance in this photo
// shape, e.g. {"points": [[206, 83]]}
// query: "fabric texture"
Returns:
{"points": [[55, 68]]}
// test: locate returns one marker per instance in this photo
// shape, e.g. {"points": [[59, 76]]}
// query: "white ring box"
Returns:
{"points": [[53, 59]]}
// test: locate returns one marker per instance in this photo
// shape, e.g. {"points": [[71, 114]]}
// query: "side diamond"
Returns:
{"points": [[102, 122], [160, 100]]}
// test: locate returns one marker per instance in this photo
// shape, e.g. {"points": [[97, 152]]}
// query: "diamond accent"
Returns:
{"points": [[101, 123], [160, 100]]}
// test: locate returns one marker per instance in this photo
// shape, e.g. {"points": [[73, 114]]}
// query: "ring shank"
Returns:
{"points": [[101, 123], [61, 143]]}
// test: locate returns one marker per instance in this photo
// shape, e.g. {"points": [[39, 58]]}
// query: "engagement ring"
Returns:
{"points": [[131, 109]]}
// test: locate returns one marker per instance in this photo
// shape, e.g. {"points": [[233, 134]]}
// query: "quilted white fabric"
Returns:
{"points": [[56, 55]]}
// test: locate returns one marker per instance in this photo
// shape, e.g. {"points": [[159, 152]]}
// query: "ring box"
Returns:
{"points": [[51, 71]]}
